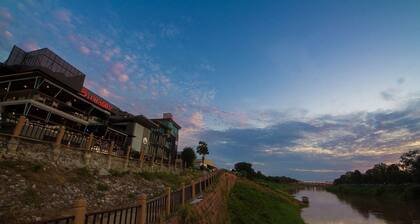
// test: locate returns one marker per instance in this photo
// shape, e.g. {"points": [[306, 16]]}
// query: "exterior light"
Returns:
{"points": [[48, 86], [25, 86]]}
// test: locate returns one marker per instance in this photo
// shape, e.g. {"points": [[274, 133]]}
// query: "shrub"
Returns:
{"points": [[188, 215], [135, 154], [131, 195], [36, 167], [102, 187], [117, 173]]}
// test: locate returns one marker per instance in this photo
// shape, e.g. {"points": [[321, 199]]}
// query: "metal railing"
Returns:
{"points": [[74, 139], [126, 215], [39, 131]]}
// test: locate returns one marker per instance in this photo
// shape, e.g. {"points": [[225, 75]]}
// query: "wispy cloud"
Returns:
{"points": [[317, 170], [323, 141]]}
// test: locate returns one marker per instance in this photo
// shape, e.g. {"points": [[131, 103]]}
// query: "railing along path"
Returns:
{"points": [[145, 211]]}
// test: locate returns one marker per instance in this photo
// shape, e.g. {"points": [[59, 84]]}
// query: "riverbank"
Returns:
{"points": [[390, 191], [31, 191], [250, 202]]}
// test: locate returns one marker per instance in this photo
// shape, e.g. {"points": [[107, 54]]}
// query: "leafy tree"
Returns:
{"points": [[245, 169], [202, 150], [408, 159], [416, 170], [377, 174], [407, 171], [188, 156]]}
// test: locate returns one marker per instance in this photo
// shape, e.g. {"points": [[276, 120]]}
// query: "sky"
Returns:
{"points": [[307, 89]]}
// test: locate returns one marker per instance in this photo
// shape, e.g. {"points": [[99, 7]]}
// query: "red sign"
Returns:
{"points": [[95, 99]]}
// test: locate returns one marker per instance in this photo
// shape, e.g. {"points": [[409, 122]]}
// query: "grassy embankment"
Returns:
{"points": [[391, 191], [262, 202]]}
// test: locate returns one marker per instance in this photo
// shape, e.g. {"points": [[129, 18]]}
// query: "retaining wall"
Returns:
{"points": [[213, 209]]}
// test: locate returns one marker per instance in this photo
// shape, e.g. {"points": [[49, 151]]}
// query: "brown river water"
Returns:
{"points": [[328, 208]]}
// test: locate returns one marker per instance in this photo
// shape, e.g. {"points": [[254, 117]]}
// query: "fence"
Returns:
{"points": [[144, 212], [23, 129]]}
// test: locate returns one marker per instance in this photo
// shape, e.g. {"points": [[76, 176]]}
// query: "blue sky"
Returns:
{"points": [[307, 89]]}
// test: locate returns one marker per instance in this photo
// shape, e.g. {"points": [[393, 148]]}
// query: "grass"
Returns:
{"points": [[391, 191], [188, 215], [254, 203], [173, 180]]}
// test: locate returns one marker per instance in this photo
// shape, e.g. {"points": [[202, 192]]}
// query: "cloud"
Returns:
{"points": [[207, 67], [119, 70], [63, 15], [110, 53], [323, 145], [401, 81], [84, 50], [317, 170], [30, 46], [390, 94], [5, 14], [197, 120], [7, 34], [169, 30]]}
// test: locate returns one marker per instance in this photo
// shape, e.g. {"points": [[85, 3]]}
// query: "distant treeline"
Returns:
{"points": [[406, 171], [245, 169]]}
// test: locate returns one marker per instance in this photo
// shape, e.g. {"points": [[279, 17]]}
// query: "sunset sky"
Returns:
{"points": [[308, 89]]}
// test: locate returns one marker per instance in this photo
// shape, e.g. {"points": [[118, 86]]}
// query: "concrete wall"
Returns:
{"points": [[213, 209], [137, 141]]}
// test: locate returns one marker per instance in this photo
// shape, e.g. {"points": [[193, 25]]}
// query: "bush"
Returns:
{"points": [[135, 154], [116, 173], [37, 167], [131, 195], [188, 215], [102, 187]]}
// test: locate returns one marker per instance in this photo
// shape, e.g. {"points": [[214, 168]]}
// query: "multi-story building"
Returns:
{"points": [[167, 134], [49, 91]]}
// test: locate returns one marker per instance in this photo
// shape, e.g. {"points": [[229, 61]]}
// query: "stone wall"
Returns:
{"points": [[213, 209], [62, 155]]}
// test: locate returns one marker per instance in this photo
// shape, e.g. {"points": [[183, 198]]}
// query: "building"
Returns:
{"points": [[166, 137], [50, 92], [209, 164]]}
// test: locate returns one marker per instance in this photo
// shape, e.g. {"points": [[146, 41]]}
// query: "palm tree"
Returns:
{"points": [[202, 150]]}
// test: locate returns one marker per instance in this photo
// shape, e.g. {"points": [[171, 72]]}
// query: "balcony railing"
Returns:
{"points": [[49, 101]]}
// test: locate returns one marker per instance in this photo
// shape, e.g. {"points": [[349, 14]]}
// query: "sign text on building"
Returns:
{"points": [[95, 99]]}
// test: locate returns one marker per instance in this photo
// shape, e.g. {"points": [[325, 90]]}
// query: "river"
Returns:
{"points": [[328, 208]]}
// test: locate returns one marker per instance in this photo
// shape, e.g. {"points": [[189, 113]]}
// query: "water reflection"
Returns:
{"points": [[328, 208]]}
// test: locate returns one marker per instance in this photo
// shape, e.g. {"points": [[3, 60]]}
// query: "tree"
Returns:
{"points": [[188, 156], [408, 159], [377, 174], [202, 150], [416, 170], [245, 169]]}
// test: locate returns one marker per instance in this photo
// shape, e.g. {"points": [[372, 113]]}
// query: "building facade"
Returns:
{"points": [[50, 92]]}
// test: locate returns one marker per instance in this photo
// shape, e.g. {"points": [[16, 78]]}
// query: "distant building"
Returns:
{"points": [[49, 91], [207, 163], [167, 134]]}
